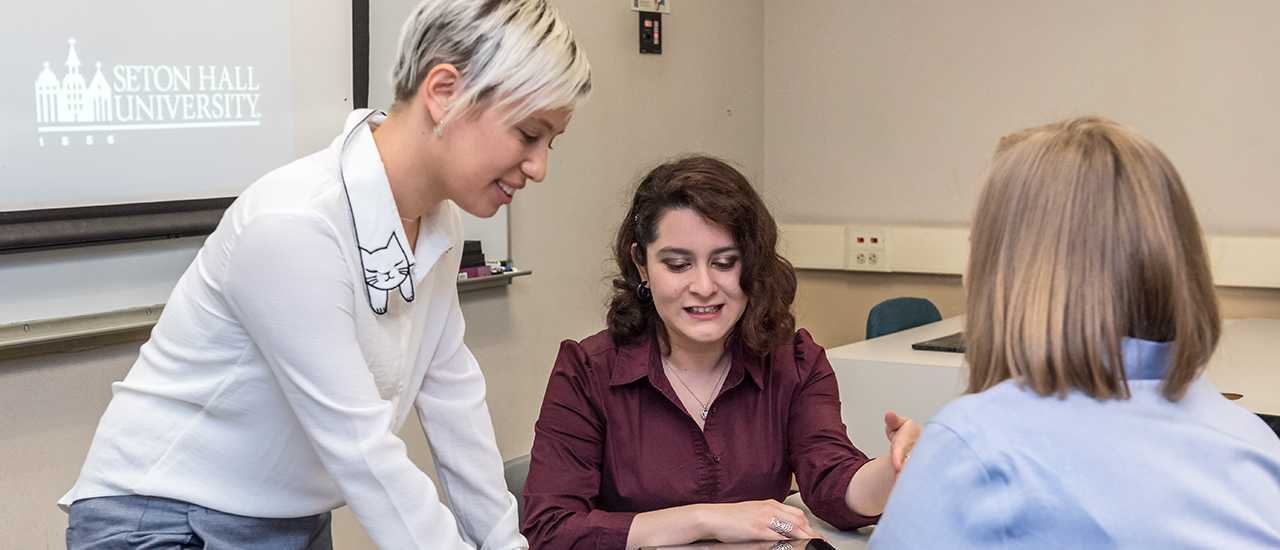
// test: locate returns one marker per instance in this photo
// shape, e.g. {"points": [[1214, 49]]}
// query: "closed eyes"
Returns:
{"points": [[531, 139]]}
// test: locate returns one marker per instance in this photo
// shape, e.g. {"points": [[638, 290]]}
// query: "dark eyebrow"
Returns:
{"points": [[675, 251], [684, 252]]}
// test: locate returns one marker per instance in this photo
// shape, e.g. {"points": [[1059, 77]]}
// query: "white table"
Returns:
{"points": [[1247, 362], [885, 374], [842, 540]]}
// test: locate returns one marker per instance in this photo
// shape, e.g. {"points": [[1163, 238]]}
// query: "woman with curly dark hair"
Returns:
{"points": [[687, 418]]}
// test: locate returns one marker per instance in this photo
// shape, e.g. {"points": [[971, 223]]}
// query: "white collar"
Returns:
{"points": [[385, 261]]}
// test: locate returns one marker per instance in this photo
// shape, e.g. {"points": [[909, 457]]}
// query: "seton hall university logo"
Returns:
{"points": [[145, 97], [72, 99]]}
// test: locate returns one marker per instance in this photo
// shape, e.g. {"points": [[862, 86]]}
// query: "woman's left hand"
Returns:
{"points": [[902, 434]]}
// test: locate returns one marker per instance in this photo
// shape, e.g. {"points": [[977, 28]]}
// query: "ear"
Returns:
{"points": [[438, 90], [635, 259]]}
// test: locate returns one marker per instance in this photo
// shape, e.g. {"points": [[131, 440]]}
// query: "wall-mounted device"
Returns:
{"points": [[650, 32], [650, 23]]}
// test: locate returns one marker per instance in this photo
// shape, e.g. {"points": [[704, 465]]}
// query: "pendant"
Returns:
{"points": [[704, 414]]}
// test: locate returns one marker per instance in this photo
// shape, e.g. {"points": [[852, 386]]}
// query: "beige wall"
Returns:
{"points": [[708, 92], [886, 112]]}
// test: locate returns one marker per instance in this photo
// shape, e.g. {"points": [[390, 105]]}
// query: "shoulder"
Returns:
{"points": [[1203, 404], [804, 349], [295, 208], [592, 350], [599, 357], [596, 344], [993, 425], [306, 187], [973, 414], [584, 368], [800, 355]]}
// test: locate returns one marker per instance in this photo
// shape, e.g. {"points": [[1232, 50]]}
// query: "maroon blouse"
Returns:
{"points": [[613, 440]]}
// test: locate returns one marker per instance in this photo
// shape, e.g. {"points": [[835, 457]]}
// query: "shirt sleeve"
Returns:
{"points": [[942, 499], [822, 456], [455, 415], [563, 486], [288, 284], [951, 496]]}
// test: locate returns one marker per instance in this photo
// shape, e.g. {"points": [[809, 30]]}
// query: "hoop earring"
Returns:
{"points": [[643, 293]]}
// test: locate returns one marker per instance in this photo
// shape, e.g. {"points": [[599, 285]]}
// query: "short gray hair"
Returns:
{"points": [[519, 53]]}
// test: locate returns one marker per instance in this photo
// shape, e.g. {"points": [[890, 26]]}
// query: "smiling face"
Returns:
{"points": [[489, 158], [694, 270]]}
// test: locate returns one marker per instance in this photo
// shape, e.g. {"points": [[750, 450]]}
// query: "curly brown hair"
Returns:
{"points": [[723, 196]]}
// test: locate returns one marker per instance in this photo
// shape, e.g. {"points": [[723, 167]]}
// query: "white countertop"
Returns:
{"points": [[1247, 362], [885, 374]]}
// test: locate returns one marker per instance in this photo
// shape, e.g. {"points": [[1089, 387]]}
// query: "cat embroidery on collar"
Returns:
{"points": [[386, 269]]}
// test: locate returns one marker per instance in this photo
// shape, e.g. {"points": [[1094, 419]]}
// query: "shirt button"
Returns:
{"points": [[715, 458]]}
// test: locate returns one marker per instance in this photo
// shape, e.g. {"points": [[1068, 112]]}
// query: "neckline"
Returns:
{"points": [[725, 363]]}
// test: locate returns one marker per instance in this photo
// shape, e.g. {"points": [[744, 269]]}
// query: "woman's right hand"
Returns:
{"points": [[737, 522], [751, 520]]}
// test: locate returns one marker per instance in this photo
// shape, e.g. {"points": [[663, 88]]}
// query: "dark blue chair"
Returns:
{"points": [[899, 314]]}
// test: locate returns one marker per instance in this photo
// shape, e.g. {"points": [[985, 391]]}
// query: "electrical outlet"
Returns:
{"points": [[866, 249]]}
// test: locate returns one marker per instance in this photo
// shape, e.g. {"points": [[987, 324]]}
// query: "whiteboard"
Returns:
{"points": [[491, 232]]}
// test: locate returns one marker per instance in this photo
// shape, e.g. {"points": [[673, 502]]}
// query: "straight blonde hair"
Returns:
{"points": [[1084, 234]]}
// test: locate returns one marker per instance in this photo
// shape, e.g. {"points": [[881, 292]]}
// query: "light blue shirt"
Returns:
{"points": [[1007, 468]]}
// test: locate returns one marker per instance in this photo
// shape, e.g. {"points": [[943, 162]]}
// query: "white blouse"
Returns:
{"points": [[271, 386]]}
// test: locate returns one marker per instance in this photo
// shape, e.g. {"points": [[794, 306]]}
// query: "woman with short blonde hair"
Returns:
{"points": [[1091, 314], [324, 310]]}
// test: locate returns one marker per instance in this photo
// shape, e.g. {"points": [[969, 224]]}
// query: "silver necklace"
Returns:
{"points": [[710, 398]]}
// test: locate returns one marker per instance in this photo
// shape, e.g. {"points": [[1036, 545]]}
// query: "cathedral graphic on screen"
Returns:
{"points": [[72, 100]]}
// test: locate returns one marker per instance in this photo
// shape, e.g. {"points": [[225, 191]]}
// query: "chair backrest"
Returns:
{"points": [[899, 314], [515, 471]]}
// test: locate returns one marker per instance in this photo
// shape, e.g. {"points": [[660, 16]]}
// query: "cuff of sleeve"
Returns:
{"points": [[830, 504], [613, 528]]}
